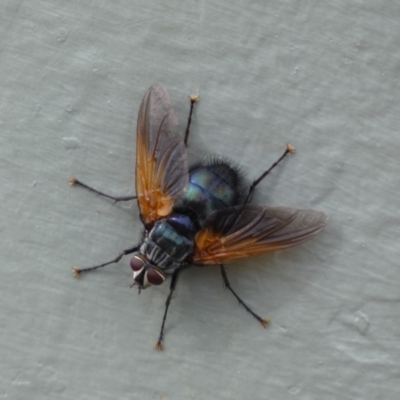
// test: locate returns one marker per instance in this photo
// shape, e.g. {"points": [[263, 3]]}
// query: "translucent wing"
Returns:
{"points": [[161, 162], [243, 231]]}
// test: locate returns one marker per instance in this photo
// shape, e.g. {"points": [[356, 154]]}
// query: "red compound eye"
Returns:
{"points": [[136, 263], [154, 277]]}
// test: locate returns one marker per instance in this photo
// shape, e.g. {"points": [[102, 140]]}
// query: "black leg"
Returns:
{"points": [[193, 99], [159, 345], [78, 271], [263, 321], [289, 149], [73, 181]]}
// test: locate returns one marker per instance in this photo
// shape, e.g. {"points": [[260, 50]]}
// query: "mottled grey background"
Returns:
{"points": [[321, 75]]}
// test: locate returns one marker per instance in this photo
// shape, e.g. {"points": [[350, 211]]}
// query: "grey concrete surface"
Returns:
{"points": [[323, 76]]}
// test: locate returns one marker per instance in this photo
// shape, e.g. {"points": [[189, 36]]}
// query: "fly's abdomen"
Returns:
{"points": [[169, 245], [211, 187]]}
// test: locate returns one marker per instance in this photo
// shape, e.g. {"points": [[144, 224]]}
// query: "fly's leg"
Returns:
{"points": [[73, 181], [159, 345], [263, 321], [289, 149], [193, 99], [77, 271]]}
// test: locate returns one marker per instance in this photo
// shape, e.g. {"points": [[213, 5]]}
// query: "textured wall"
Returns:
{"points": [[321, 75]]}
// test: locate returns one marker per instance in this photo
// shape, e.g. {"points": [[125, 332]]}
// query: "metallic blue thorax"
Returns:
{"points": [[169, 244]]}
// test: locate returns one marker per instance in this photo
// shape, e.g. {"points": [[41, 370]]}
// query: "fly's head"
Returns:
{"points": [[145, 274]]}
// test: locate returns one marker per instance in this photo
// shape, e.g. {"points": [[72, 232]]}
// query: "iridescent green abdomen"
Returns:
{"points": [[211, 187]]}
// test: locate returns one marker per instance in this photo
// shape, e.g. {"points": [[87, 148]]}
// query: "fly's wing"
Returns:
{"points": [[161, 162], [243, 231]]}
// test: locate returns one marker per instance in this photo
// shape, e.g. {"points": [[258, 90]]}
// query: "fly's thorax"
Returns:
{"points": [[169, 245], [212, 186]]}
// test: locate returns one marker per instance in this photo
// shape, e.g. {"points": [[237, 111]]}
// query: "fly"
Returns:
{"points": [[199, 215]]}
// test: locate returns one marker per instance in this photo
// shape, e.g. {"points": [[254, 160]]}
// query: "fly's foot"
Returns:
{"points": [[73, 181], [77, 272], [265, 322], [159, 346], [194, 98], [290, 148]]}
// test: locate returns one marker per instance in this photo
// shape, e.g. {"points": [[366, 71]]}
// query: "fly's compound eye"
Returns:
{"points": [[136, 263], [154, 276]]}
